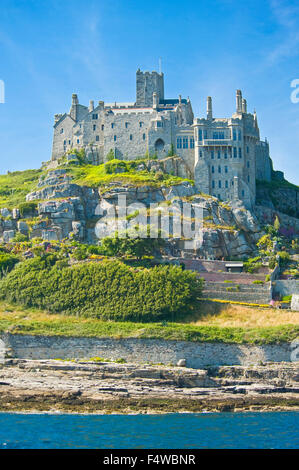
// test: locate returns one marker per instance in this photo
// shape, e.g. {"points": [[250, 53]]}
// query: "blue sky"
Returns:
{"points": [[51, 49]]}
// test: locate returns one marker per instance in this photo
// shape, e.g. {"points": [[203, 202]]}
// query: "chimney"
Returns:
{"points": [[91, 106], [239, 101], [75, 102], [209, 108], [244, 105]]}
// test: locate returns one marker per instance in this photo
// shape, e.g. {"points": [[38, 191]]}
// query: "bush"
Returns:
{"points": [[7, 262], [257, 281], [106, 290], [284, 257], [27, 208]]}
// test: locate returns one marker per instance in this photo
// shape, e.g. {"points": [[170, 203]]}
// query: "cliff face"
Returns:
{"points": [[281, 198]]}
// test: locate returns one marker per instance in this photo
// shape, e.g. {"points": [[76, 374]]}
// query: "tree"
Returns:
{"points": [[276, 224]]}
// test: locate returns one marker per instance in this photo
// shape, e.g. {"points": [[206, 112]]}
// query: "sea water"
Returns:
{"points": [[248, 430]]}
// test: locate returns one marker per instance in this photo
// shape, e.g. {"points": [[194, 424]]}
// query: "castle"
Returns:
{"points": [[225, 156]]}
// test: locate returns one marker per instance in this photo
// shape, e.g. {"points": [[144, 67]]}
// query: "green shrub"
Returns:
{"points": [[257, 281], [284, 257], [7, 262], [27, 208], [106, 290], [20, 237]]}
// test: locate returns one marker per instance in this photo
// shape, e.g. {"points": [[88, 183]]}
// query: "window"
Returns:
{"points": [[205, 134], [185, 142], [78, 141], [235, 152], [234, 134], [112, 125], [102, 127], [200, 134], [126, 125], [218, 135], [219, 184], [94, 127], [191, 142], [226, 183], [232, 182], [219, 169], [61, 131], [69, 142], [159, 124], [239, 135], [225, 169], [240, 152], [225, 154], [64, 142], [179, 143], [143, 136], [213, 184], [114, 138], [218, 154], [243, 193], [248, 164], [131, 137], [94, 116], [247, 149], [213, 169], [212, 154], [97, 138], [140, 124], [200, 154]]}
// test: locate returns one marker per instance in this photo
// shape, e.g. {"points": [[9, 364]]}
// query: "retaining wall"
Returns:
{"points": [[197, 354]]}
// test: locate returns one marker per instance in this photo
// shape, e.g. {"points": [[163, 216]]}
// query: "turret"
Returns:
{"points": [[239, 101], [209, 108]]}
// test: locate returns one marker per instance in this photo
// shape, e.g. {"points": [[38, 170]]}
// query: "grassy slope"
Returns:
{"points": [[14, 187], [226, 325], [90, 175]]}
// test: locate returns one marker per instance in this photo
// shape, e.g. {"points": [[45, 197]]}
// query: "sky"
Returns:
{"points": [[53, 48]]}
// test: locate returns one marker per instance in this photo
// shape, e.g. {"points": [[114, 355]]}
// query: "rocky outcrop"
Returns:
{"points": [[69, 209], [105, 387]]}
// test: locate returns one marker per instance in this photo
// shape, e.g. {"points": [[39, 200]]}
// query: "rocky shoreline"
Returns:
{"points": [[106, 387]]}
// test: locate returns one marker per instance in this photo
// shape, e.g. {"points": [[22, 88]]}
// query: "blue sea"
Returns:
{"points": [[276, 430]]}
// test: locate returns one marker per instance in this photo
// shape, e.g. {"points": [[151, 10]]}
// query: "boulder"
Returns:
{"points": [[8, 235], [295, 302]]}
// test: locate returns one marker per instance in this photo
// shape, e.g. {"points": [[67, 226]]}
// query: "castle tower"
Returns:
{"points": [[146, 84], [209, 108]]}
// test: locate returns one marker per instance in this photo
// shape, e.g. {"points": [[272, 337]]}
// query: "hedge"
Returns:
{"points": [[106, 290]]}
